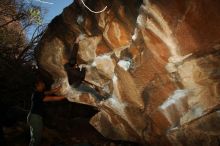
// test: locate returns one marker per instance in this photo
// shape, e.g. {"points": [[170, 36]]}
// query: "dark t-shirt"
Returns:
{"points": [[37, 103], [75, 75]]}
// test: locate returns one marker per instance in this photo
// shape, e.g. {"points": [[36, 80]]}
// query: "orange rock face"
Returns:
{"points": [[158, 61]]}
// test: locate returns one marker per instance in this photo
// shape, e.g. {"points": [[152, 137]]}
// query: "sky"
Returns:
{"points": [[53, 8]]}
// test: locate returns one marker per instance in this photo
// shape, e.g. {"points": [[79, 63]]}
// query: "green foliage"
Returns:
{"points": [[16, 17], [35, 15], [16, 75]]}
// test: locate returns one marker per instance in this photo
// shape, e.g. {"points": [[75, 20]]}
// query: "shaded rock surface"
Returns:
{"points": [[65, 123], [158, 60]]}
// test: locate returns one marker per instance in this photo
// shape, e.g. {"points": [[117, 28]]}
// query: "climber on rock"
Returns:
{"points": [[36, 114], [76, 78]]}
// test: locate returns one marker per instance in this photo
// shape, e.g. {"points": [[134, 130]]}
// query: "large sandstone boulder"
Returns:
{"points": [[158, 60]]}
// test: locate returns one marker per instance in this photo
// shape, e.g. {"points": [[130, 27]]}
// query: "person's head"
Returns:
{"points": [[43, 81], [40, 85]]}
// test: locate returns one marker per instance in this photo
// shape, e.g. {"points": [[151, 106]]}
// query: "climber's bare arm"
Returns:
{"points": [[53, 98]]}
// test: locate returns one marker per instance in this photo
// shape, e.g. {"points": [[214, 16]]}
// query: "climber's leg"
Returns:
{"points": [[36, 128]]}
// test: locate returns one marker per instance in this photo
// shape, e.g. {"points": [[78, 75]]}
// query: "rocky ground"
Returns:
{"points": [[66, 124]]}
